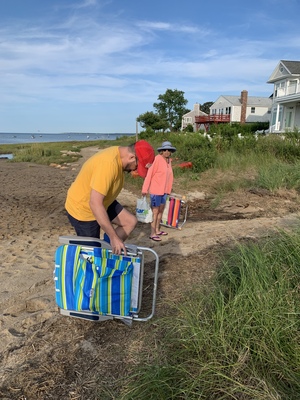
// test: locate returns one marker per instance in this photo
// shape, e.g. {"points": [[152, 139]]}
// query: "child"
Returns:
{"points": [[159, 182]]}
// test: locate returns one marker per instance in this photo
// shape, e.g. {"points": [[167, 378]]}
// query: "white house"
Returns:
{"points": [[285, 114], [241, 109], [189, 118]]}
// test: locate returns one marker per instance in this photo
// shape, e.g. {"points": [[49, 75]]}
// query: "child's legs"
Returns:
{"points": [[158, 203], [159, 217]]}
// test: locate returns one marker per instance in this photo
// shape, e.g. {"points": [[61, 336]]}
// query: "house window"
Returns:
{"points": [[280, 85], [292, 87], [252, 110], [228, 111], [279, 89]]}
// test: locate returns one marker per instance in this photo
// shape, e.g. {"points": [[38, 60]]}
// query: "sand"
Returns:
{"points": [[33, 217]]}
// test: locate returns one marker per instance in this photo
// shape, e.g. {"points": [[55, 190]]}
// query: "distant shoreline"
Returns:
{"points": [[22, 138], [92, 133]]}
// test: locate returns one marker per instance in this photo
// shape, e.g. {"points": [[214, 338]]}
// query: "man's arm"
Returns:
{"points": [[100, 213]]}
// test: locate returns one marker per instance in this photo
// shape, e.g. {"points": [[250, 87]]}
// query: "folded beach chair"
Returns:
{"points": [[93, 283], [175, 212]]}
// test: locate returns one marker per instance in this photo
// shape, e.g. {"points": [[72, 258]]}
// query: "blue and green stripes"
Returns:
{"points": [[93, 280]]}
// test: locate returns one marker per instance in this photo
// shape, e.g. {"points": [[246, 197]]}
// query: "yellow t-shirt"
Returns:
{"points": [[102, 172]]}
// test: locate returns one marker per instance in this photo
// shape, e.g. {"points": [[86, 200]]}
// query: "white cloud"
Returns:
{"points": [[172, 27], [89, 57]]}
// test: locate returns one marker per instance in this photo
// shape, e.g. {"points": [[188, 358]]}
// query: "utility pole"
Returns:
{"points": [[136, 131]]}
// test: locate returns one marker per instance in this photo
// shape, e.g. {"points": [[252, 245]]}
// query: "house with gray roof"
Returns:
{"points": [[242, 109], [285, 113]]}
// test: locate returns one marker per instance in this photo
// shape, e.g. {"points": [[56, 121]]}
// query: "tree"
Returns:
{"points": [[151, 120], [189, 128], [171, 108], [205, 106]]}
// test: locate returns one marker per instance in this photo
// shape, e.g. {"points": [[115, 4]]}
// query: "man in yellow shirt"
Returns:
{"points": [[91, 199]]}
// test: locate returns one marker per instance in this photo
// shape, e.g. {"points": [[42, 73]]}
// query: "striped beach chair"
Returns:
{"points": [[93, 283], [175, 212]]}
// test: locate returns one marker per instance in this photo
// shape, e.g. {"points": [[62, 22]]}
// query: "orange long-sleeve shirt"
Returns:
{"points": [[159, 178]]}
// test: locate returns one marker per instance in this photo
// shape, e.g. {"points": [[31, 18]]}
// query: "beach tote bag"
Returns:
{"points": [[143, 210], [93, 280]]}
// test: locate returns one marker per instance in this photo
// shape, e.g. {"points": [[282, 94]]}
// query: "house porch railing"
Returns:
{"points": [[208, 120], [213, 118]]}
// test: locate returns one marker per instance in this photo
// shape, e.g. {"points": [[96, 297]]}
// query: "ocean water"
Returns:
{"points": [[20, 138]]}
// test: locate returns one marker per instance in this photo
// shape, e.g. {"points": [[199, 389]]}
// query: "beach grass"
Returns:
{"points": [[274, 163], [238, 337]]}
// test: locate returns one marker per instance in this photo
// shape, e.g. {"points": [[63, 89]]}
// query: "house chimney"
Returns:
{"points": [[244, 100], [197, 109]]}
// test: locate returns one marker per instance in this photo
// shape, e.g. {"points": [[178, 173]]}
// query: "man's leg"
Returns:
{"points": [[85, 228], [125, 222]]}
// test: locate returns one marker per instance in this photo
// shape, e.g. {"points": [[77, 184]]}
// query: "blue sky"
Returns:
{"points": [[95, 65]]}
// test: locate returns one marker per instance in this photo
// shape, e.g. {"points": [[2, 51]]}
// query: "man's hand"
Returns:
{"points": [[117, 245], [100, 213]]}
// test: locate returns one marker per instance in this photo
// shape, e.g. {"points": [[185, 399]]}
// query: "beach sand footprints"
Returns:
{"points": [[32, 210], [26, 290], [26, 310]]}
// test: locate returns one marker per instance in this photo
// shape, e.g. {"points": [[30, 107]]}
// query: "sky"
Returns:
{"points": [[95, 65]]}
